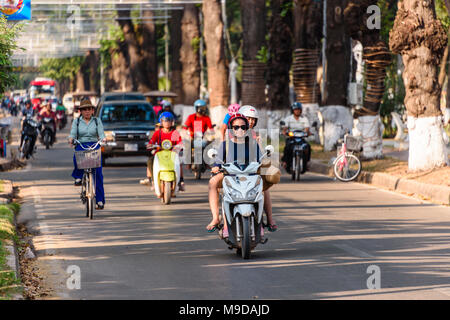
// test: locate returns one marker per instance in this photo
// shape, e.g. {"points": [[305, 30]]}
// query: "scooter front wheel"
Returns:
{"points": [[246, 240]]}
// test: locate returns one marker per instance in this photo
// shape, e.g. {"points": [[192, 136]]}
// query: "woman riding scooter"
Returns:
{"points": [[166, 132]]}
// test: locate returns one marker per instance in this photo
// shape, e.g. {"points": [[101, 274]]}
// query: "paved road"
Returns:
{"points": [[330, 233]]}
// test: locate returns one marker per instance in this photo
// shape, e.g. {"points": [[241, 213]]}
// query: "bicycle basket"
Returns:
{"points": [[88, 159], [353, 143]]}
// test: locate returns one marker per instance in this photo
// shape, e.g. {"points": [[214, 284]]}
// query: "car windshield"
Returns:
{"points": [[128, 112], [124, 97]]}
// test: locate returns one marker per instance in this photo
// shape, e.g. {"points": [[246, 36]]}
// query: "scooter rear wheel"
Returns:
{"points": [[167, 192]]}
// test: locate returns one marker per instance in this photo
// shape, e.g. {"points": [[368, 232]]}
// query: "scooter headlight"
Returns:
{"points": [[166, 145], [251, 195], [236, 195]]}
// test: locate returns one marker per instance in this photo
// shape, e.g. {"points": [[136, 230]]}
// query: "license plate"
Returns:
{"points": [[131, 147]]}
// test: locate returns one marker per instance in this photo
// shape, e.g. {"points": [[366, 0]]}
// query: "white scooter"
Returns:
{"points": [[242, 205]]}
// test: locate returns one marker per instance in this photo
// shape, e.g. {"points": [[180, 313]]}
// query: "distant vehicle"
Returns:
{"points": [[128, 126], [122, 96], [68, 102], [42, 88]]}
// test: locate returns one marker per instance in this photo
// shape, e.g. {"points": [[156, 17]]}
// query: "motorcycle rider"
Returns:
{"points": [[46, 112], [241, 149], [27, 112], [296, 121], [252, 116], [61, 110], [28, 109], [199, 119], [166, 132], [167, 107]]}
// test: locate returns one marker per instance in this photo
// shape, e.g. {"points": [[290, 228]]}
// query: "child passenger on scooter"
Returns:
{"points": [[166, 132]]}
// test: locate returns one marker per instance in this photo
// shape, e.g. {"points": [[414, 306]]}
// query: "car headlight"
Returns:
{"points": [[110, 135]]}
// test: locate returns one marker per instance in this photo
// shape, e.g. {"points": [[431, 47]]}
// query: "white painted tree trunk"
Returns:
{"points": [[427, 148], [370, 130], [336, 120], [311, 111]]}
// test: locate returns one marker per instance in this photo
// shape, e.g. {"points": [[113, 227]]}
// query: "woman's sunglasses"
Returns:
{"points": [[243, 127]]}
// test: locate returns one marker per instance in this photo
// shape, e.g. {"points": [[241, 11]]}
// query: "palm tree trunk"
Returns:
{"points": [[175, 42], [215, 58], [421, 40], [253, 16], [280, 50], [189, 57], [136, 64]]}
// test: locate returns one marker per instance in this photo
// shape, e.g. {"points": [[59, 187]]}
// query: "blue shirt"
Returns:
{"points": [[226, 119], [88, 132]]}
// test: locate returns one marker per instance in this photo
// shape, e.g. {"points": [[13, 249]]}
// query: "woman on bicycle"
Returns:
{"points": [[88, 129]]}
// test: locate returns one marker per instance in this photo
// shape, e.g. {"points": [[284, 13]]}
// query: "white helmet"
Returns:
{"points": [[249, 112]]}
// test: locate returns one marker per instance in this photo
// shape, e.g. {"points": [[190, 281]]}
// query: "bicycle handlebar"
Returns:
{"points": [[88, 148]]}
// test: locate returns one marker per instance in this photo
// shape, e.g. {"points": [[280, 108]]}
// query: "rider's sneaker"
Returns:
{"points": [[78, 182], [100, 206], [145, 181], [181, 186]]}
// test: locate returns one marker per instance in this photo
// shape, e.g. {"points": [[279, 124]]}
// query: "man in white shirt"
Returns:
{"points": [[294, 122]]}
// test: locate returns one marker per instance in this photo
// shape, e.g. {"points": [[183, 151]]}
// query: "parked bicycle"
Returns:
{"points": [[88, 159], [347, 166]]}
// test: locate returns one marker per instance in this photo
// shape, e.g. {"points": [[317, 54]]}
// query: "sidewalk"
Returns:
{"points": [[10, 273], [11, 161], [392, 174]]}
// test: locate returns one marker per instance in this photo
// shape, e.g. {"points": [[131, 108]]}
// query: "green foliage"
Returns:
{"points": [[286, 7], [388, 13], [62, 68], [195, 44], [442, 14], [263, 55], [8, 35], [107, 46]]}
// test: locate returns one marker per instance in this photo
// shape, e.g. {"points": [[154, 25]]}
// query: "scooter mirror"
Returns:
{"points": [[212, 153], [269, 149]]}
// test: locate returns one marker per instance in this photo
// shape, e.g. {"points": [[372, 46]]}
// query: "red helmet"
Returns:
{"points": [[238, 116]]}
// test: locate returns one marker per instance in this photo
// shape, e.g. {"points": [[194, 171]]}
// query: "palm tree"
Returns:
{"points": [[253, 16], [189, 57], [215, 54], [377, 58], [421, 40], [280, 50]]}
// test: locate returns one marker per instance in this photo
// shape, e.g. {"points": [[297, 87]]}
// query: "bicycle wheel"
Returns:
{"points": [[91, 198], [347, 167], [84, 192]]}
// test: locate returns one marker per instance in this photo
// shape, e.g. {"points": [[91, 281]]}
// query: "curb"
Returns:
{"points": [[11, 164], [12, 259], [435, 193]]}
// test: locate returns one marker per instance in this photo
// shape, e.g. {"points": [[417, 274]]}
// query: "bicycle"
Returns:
{"points": [[347, 166], [88, 159]]}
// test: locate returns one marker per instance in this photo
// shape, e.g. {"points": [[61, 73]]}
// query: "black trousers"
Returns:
{"points": [[288, 153]]}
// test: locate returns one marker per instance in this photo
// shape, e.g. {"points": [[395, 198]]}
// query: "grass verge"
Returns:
{"points": [[9, 284]]}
